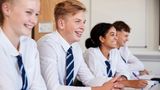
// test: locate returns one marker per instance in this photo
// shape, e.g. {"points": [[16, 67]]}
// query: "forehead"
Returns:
{"points": [[35, 4], [79, 15], [122, 33], [112, 30]]}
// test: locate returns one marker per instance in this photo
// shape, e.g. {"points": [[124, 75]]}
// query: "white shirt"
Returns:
{"points": [[96, 62], [10, 78], [53, 49], [134, 64]]}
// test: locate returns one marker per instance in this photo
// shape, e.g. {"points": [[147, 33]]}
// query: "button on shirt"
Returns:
{"points": [[53, 49], [96, 63], [10, 78]]}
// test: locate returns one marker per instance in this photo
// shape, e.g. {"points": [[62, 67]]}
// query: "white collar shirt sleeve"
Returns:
{"points": [[134, 64], [53, 48], [10, 79], [95, 61]]}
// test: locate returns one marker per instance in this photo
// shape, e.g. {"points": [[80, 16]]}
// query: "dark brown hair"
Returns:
{"points": [[121, 26]]}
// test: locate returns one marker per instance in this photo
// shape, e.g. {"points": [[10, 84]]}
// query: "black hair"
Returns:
{"points": [[100, 29]]}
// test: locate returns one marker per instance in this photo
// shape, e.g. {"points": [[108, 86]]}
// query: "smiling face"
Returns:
{"points": [[110, 39], [72, 26], [122, 38], [21, 16]]}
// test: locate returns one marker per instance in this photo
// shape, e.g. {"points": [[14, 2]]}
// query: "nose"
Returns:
{"points": [[82, 26], [34, 19], [116, 38], [126, 39]]}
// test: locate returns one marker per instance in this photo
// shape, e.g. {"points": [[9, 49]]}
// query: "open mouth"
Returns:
{"points": [[28, 26], [79, 33]]}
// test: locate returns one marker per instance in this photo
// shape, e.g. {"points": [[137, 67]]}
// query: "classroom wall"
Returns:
{"points": [[149, 55], [151, 25]]}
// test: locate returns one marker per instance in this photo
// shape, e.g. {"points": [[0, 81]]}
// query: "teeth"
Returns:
{"points": [[79, 33], [29, 26]]}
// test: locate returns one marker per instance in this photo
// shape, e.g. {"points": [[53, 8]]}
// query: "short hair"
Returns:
{"points": [[67, 7], [121, 26]]}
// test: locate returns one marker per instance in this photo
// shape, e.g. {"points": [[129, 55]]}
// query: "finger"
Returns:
{"points": [[114, 79]]}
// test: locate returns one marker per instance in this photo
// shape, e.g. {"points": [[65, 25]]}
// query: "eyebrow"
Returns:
{"points": [[33, 10]]}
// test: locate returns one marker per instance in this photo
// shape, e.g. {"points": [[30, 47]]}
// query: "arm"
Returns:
{"points": [[122, 67], [93, 63], [134, 83], [37, 82], [133, 62]]}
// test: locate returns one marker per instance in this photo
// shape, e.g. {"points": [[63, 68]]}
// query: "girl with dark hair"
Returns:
{"points": [[103, 58]]}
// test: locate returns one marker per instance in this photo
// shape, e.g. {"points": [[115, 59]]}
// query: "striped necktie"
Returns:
{"points": [[22, 72], [109, 71], [124, 60], [69, 67]]}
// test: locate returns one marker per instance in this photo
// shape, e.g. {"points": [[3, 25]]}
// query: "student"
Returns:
{"points": [[60, 47], [19, 57], [134, 64], [103, 60]]}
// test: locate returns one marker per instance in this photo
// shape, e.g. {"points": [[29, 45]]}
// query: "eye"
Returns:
{"points": [[77, 21], [84, 21], [29, 12], [37, 14]]}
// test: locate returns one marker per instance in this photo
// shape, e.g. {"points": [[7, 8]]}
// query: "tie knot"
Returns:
{"points": [[107, 63], [19, 60], [19, 57], [69, 50]]}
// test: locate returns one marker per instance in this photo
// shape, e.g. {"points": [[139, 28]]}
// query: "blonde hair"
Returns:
{"points": [[67, 7]]}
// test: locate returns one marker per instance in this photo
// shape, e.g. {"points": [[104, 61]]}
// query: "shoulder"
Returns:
{"points": [[48, 39], [114, 51], [92, 50], [28, 41]]}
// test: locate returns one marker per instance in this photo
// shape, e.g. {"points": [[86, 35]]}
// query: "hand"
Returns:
{"points": [[144, 72], [122, 77], [110, 85], [134, 83], [118, 86]]}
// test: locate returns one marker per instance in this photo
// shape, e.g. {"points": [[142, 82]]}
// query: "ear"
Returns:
{"points": [[61, 23], [101, 39], [6, 8]]}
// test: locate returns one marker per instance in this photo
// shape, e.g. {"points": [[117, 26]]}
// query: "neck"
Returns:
{"points": [[105, 51], [11, 35], [118, 46]]}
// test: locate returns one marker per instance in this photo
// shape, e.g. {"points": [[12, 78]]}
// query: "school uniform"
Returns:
{"points": [[96, 63], [134, 64], [10, 77], [53, 48]]}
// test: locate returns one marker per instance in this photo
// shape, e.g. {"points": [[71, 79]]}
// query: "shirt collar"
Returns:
{"points": [[7, 45], [65, 45], [102, 56]]}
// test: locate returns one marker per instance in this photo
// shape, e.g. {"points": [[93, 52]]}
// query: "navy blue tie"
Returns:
{"points": [[69, 67], [22, 72], [109, 71], [124, 60]]}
